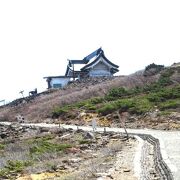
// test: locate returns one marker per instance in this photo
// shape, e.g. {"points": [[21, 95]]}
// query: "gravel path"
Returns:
{"points": [[144, 166], [169, 142]]}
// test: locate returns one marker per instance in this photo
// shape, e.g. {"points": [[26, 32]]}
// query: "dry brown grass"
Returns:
{"points": [[41, 107]]}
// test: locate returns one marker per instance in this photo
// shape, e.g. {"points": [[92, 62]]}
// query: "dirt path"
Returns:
{"points": [[124, 167]]}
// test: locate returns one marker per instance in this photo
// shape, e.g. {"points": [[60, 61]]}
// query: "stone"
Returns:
{"points": [[3, 135], [79, 131], [44, 129], [101, 174], [83, 147], [94, 155], [89, 135], [62, 167], [73, 150], [82, 114], [126, 170], [65, 137], [65, 161], [75, 160]]}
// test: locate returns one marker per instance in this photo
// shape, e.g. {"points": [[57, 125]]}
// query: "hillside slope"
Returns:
{"points": [[41, 107]]}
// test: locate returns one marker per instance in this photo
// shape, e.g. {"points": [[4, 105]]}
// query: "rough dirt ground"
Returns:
{"points": [[121, 166], [124, 166], [92, 155], [134, 122]]}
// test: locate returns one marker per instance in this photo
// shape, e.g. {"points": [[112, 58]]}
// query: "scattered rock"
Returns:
{"points": [[79, 131], [62, 167], [3, 135], [126, 170], [89, 135], [132, 119], [65, 137], [75, 160], [44, 129], [73, 150], [101, 175], [83, 146]]}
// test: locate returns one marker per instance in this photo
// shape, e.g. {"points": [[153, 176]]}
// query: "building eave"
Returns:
{"points": [[96, 60], [56, 77]]}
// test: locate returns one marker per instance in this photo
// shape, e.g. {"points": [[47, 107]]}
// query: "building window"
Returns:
{"points": [[57, 85]]}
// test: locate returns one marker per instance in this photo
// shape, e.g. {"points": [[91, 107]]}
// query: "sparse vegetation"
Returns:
{"points": [[59, 111], [2, 146], [44, 146], [138, 100], [164, 94], [153, 69], [59, 152], [85, 141], [170, 104], [165, 79], [158, 67], [135, 95], [13, 167]]}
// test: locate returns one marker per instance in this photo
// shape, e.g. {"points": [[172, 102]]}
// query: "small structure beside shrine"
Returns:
{"points": [[94, 65], [57, 81]]}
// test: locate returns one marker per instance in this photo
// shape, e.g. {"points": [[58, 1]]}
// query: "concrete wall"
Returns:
{"points": [[59, 82]]}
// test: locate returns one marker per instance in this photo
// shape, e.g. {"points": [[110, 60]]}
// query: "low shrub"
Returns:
{"points": [[80, 104], [90, 107], [165, 94], [13, 167], [164, 79], [121, 105], [115, 93], [2, 146], [170, 104], [96, 100], [152, 69], [154, 66], [124, 104], [59, 111], [141, 105], [136, 100], [41, 147], [107, 109]]}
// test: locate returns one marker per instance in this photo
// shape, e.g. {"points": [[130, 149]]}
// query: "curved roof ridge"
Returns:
{"points": [[100, 55]]}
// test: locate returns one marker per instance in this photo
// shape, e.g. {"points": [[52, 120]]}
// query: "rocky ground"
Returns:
{"points": [[57, 153], [151, 120]]}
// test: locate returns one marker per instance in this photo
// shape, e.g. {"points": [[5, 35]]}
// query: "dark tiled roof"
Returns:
{"points": [[99, 53], [103, 56], [56, 77], [86, 59]]}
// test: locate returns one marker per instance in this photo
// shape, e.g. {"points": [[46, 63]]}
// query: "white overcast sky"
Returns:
{"points": [[38, 36]]}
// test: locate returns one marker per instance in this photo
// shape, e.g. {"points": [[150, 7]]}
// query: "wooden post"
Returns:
{"points": [[122, 119], [21, 92]]}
